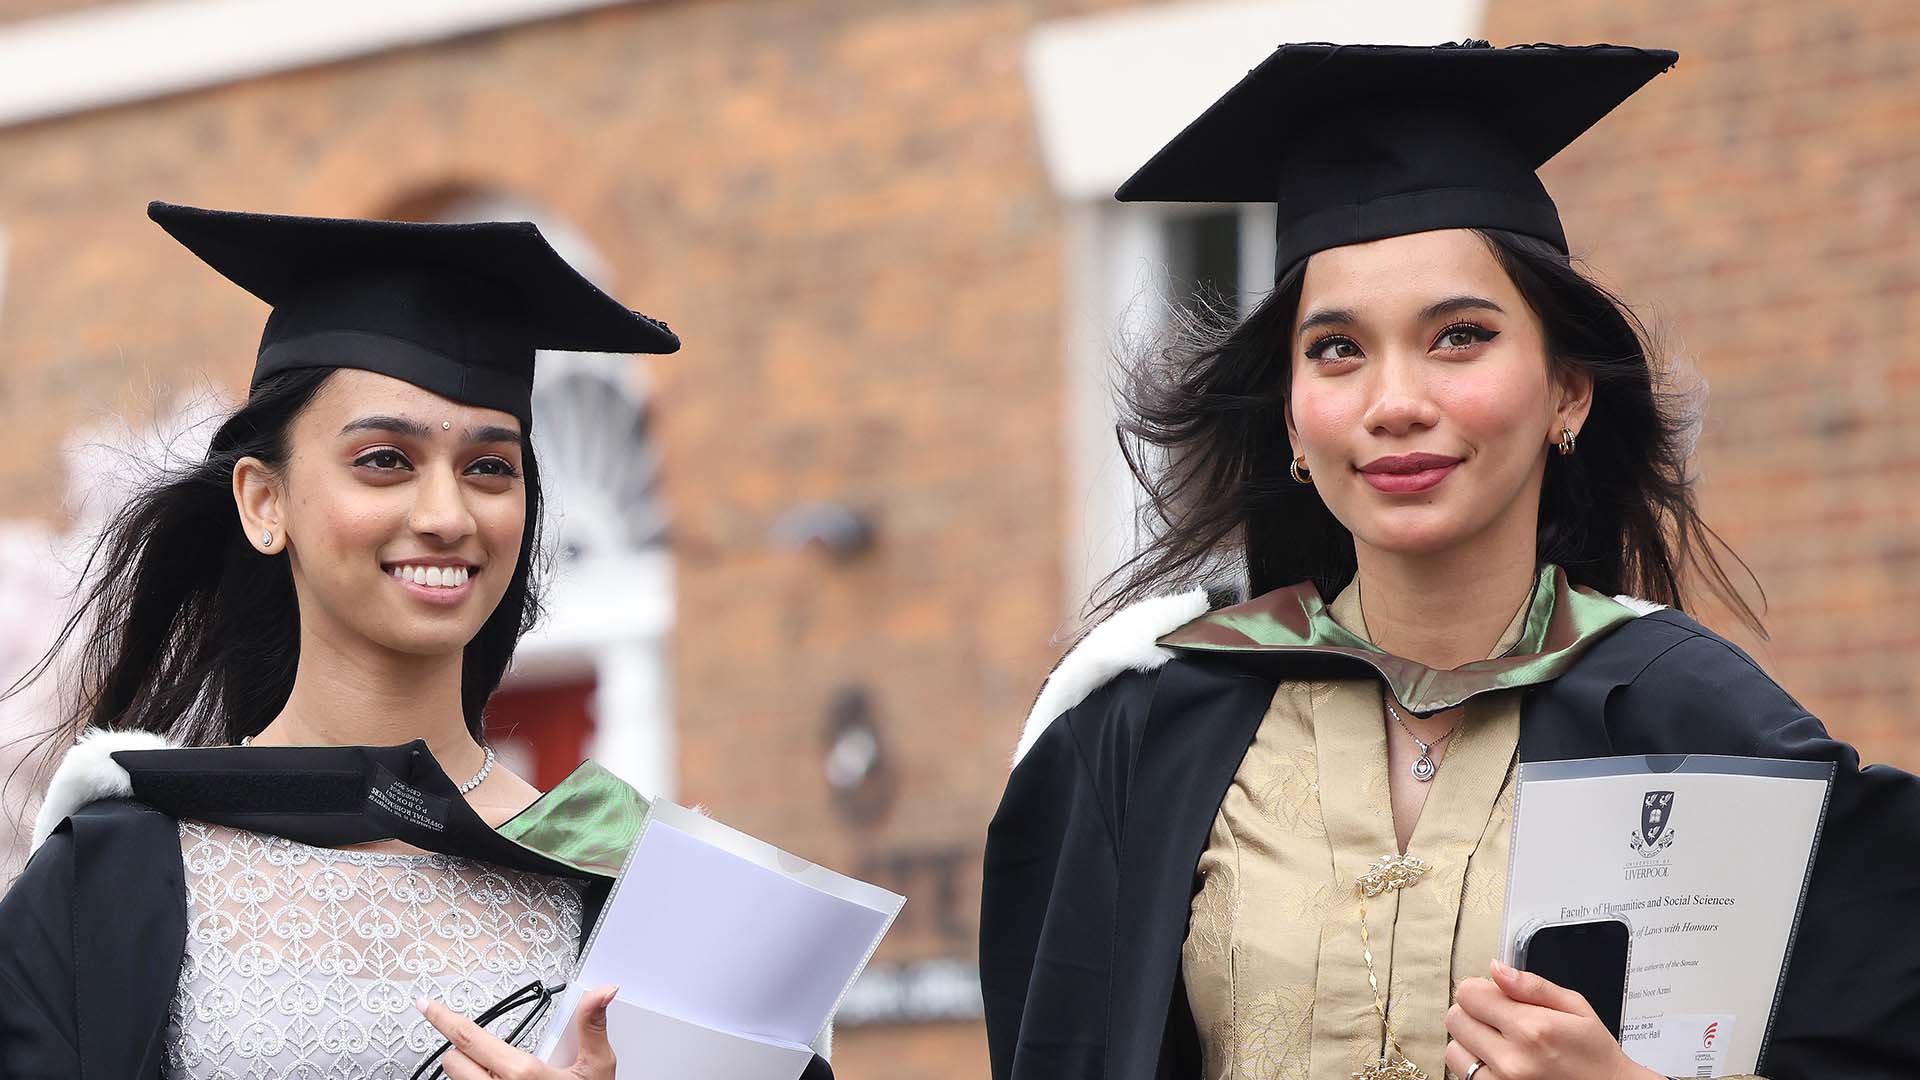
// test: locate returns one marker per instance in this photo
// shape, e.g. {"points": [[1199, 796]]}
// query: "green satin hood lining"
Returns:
{"points": [[1562, 621], [589, 821]]}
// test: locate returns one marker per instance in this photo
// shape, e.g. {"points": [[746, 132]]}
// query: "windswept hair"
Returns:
{"points": [[183, 628], [1203, 431]]}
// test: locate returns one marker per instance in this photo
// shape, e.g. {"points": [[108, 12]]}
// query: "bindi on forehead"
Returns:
{"points": [[414, 429], [361, 401]]}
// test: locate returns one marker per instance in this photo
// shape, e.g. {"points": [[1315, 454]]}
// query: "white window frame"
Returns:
{"points": [[1119, 298], [1108, 91]]}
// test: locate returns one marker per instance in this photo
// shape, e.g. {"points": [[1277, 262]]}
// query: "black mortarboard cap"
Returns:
{"points": [[1363, 142], [457, 309]]}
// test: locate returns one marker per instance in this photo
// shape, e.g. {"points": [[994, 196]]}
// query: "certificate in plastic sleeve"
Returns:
{"points": [[1706, 857]]}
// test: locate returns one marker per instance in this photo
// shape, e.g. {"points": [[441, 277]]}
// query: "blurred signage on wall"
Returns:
{"points": [[919, 992]]}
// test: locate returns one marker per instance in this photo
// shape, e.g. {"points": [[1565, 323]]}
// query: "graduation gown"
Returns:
{"points": [[93, 932], [1090, 862]]}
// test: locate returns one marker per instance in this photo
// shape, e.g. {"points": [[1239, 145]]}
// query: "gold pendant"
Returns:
{"points": [[1394, 1068]]}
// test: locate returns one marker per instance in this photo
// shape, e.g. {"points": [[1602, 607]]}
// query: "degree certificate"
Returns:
{"points": [[1706, 858]]}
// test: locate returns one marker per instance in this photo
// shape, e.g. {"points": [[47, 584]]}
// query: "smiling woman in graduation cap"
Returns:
{"points": [[1269, 839], [281, 826]]}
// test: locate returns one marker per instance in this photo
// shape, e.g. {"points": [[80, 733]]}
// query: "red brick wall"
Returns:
{"points": [[1762, 201], [838, 205]]}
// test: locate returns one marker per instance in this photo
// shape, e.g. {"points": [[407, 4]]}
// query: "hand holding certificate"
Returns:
{"points": [[730, 954], [1706, 858]]}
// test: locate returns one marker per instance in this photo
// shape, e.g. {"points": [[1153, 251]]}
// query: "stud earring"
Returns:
{"points": [[266, 538], [1297, 468], [446, 425]]}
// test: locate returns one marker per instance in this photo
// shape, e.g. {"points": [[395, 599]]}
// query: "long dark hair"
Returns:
{"points": [[188, 631], [1202, 429]]}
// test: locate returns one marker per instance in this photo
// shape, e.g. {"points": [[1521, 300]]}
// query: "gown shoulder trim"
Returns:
{"points": [[1122, 642], [1637, 605], [1125, 642], [87, 774]]}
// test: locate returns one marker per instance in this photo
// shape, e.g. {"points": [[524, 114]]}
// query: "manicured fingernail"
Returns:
{"points": [[1501, 967], [421, 1004]]}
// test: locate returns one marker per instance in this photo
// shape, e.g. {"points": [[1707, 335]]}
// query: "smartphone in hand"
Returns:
{"points": [[1589, 956]]}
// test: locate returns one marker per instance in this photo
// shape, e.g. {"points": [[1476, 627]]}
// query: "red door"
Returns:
{"points": [[543, 728]]}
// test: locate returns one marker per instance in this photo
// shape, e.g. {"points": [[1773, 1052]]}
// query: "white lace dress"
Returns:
{"points": [[305, 961]]}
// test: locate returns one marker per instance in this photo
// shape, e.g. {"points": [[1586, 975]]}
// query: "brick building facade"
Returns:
{"points": [[849, 212]]}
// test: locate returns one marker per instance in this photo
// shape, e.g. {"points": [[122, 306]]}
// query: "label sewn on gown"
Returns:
{"points": [[405, 802]]}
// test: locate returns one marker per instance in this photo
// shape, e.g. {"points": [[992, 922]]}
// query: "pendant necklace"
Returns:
{"points": [[486, 766], [1424, 767]]}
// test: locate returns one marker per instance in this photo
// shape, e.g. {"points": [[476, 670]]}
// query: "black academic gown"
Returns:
{"points": [[93, 932], [1091, 858]]}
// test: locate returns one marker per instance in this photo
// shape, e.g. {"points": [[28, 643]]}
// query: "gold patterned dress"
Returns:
{"points": [[1273, 959]]}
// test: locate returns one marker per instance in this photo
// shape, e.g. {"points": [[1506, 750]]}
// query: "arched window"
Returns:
{"points": [[591, 679]]}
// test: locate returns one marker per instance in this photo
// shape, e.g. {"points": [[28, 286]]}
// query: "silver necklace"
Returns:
{"points": [[1424, 767], [486, 767]]}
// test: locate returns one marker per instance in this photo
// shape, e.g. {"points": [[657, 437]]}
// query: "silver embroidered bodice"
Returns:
{"points": [[305, 961]]}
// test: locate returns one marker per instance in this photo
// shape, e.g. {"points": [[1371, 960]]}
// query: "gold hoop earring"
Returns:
{"points": [[1297, 468], [1566, 441]]}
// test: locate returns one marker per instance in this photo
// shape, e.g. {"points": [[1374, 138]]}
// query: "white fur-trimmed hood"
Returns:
{"points": [[88, 774], [1122, 642]]}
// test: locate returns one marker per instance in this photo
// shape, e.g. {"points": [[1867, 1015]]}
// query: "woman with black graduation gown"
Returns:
{"points": [[256, 860], [1439, 455]]}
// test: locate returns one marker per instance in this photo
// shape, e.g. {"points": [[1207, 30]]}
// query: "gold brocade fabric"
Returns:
{"points": [[1272, 958]]}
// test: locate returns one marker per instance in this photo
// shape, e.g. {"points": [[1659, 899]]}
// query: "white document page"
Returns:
{"points": [[727, 935], [1705, 857], [649, 1046]]}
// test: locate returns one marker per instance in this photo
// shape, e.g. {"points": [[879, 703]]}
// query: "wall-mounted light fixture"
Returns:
{"points": [[855, 760], [841, 531]]}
